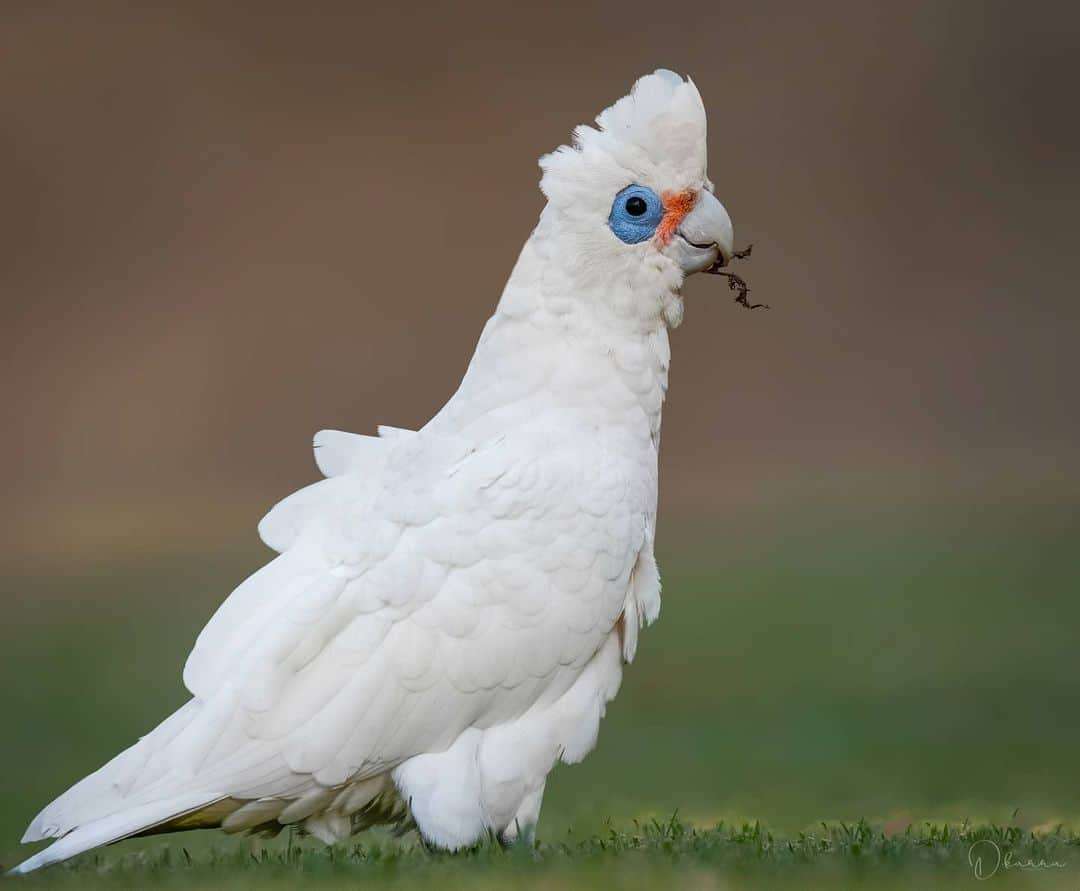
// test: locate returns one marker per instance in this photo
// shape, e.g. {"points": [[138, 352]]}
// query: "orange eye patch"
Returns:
{"points": [[676, 206]]}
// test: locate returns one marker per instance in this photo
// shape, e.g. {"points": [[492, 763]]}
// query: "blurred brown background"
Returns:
{"points": [[211, 216]]}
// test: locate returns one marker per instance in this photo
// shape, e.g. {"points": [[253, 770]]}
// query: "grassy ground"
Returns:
{"points": [[654, 854], [904, 664]]}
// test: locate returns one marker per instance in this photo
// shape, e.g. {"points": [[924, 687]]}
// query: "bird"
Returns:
{"points": [[450, 609]]}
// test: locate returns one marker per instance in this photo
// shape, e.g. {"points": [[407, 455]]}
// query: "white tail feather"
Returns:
{"points": [[111, 829]]}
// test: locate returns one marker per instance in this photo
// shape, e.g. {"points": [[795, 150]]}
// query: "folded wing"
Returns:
{"points": [[428, 585]]}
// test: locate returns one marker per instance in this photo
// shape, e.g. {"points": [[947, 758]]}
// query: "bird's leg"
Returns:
{"points": [[744, 253], [517, 835]]}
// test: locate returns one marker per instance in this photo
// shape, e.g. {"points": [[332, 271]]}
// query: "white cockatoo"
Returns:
{"points": [[451, 608]]}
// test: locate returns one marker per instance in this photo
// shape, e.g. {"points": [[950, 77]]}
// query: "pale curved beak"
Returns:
{"points": [[705, 237]]}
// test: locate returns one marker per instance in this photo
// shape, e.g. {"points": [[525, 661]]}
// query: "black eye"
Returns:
{"points": [[636, 206]]}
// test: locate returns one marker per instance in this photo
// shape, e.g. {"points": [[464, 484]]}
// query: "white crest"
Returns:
{"points": [[655, 136]]}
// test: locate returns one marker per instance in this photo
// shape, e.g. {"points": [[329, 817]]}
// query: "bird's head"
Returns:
{"points": [[631, 211]]}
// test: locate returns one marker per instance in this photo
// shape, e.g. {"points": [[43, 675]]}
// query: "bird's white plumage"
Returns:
{"points": [[451, 608]]}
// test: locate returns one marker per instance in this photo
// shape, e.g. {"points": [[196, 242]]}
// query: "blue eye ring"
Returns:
{"points": [[635, 214]]}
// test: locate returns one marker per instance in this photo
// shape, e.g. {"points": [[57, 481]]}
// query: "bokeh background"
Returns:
{"points": [[226, 226]]}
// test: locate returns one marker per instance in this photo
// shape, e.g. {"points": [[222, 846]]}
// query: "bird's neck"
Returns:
{"points": [[559, 352]]}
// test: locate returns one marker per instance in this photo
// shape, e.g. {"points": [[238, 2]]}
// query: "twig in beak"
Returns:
{"points": [[743, 297], [735, 282]]}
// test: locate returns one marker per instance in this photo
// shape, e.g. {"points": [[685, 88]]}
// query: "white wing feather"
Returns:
{"points": [[428, 586]]}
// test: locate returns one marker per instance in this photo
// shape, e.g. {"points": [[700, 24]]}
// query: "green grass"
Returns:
{"points": [[653, 854], [902, 663]]}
